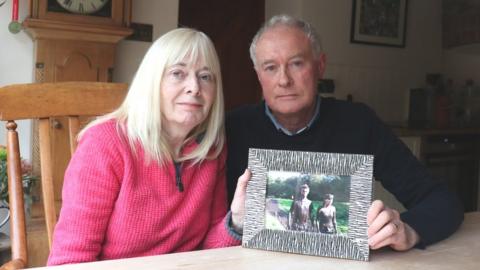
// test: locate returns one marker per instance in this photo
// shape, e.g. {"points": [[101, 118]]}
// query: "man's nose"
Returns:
{"points": [[285, 79]]}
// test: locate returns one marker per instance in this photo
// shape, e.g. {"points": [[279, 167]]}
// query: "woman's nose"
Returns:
{"points": [[192, 85]]}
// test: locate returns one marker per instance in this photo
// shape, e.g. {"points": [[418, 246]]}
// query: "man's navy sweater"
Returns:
{"points": [[344, 127]]}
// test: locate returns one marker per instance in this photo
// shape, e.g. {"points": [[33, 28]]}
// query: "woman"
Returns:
{"points": [[327, 216], [149, 178]]}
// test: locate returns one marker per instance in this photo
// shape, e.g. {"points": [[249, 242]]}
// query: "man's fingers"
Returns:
{"points": [[385, 236], [381, 220], [384, 243], [376, 207]]}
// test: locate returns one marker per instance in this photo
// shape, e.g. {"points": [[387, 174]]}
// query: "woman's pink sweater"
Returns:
{"points": [[116, 205]]}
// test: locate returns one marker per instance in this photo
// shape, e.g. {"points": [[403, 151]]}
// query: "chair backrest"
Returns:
{"points": [[43, 101]]}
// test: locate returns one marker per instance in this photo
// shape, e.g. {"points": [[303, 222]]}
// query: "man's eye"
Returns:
{"points": [[269, 68], [297, 63]]}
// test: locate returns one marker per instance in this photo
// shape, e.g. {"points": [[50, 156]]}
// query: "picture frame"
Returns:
{"points": [[269, 166], [379, 22]]}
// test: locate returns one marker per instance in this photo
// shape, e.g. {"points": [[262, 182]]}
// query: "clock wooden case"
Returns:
{"points": [[73, 43], [70, 45]]}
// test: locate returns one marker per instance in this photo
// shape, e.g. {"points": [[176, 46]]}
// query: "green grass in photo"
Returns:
{"points": [[284, 208]]}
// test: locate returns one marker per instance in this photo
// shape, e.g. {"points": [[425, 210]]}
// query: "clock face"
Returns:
{"points": [[102, 8]]}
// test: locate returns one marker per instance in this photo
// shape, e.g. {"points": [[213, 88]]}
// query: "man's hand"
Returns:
{"points": [[386, 229], [238, 203]]}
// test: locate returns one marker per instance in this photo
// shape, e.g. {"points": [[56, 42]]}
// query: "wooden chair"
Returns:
{"points": [[43, 101]]}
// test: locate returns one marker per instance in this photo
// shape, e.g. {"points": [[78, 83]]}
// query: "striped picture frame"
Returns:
{"points": [[350, 245]]}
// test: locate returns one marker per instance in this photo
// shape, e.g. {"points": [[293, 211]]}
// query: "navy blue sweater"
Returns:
{"points": [[344, 127]]}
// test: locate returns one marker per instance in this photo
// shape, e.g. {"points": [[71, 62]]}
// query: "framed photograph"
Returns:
{"points": [[308, 203], [379, 22]]}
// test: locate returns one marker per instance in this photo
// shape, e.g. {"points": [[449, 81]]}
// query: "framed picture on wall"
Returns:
{"points": [[308, 203], [379, 22]]}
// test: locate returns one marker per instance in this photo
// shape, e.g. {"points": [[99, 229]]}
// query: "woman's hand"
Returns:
{"points": [[238, 203], [385, 228]]}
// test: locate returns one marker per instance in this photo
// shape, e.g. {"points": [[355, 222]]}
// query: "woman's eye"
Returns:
{"points": [[178, 74], [206, 77]]}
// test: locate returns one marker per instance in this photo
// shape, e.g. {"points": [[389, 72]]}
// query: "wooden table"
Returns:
{"points": [[460, 251]]}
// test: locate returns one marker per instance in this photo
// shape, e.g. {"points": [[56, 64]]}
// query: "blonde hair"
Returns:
{"points": [[139, 117]]}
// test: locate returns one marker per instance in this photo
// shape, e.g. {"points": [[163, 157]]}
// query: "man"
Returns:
{"points": [[300, 215], [288, 60]]}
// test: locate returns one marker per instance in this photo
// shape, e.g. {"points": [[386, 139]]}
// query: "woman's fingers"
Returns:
{"points": [[238, 204]]}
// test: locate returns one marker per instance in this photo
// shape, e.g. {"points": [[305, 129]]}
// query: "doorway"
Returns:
{"points": [[231, 25]]}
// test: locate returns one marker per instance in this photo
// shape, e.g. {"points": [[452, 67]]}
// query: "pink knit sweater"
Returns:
{"points": [[115, 205]]}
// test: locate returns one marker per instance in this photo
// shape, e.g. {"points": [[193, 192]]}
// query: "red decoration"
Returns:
{"points": [[15, 11]]}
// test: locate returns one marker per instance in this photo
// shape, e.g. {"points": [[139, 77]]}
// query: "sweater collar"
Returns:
{"points": [[281, 128]]}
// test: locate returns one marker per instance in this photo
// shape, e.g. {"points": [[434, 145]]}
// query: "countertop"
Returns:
{"points": [[404, 130]]}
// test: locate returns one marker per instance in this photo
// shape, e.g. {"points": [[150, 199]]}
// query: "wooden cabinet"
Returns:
{"points": [[413, 143], [452, 156], [454, 160]]}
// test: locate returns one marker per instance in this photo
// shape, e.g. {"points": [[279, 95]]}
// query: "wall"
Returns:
{"points": [[19, 49], [293, 8], [16, 50], [163, 14], [16, 64], [17, 53], [378, 76], [462, 63]]}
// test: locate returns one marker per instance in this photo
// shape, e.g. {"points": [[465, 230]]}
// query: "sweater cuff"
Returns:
{"points": [[229, 228], [408, 220]]}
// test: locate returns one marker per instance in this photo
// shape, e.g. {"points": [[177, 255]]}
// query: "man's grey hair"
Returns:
{"points": [[287, 20]]}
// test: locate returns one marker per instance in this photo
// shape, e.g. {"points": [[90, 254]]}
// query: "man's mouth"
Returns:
{"points": [[287, 97]]}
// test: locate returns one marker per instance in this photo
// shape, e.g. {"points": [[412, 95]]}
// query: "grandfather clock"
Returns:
{"points": [[74, 41]]}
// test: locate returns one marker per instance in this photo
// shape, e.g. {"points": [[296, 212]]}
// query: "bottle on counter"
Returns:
{"points": [[442, 106], [470, 95]]}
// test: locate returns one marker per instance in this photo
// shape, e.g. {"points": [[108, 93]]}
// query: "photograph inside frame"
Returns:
{"points": [[307, 202]]}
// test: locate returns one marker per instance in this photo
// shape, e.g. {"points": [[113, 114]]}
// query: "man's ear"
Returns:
{"points": [[258, 78], [255, 68], [322, 60]]}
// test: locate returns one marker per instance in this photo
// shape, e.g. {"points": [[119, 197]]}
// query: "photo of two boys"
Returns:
{"points": [[307, 202]]}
